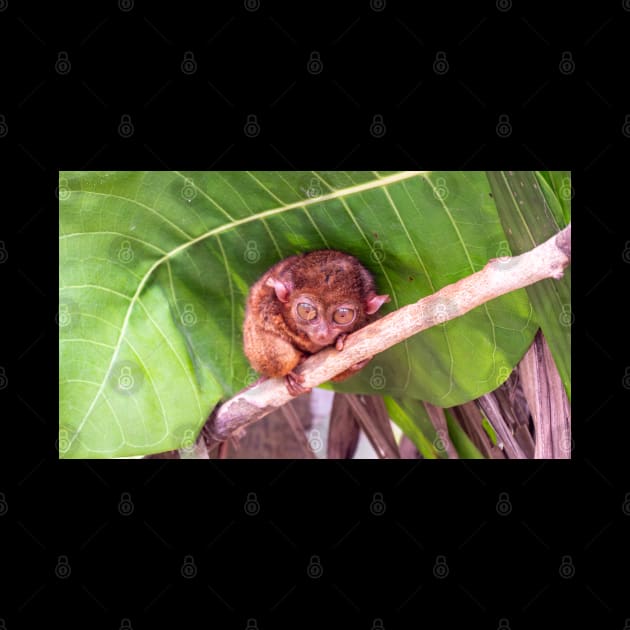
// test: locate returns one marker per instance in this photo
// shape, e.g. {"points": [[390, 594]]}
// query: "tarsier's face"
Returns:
{"points": [[323, 295], [323, 322]]}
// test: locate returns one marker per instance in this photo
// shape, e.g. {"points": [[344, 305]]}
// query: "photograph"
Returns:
{"points": [[315, 314]]}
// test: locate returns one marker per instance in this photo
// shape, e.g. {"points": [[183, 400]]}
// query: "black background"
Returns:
{"points": [[557, 558]]}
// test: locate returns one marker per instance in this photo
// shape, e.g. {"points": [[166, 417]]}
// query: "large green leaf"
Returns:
{"points": [[155, 268]]}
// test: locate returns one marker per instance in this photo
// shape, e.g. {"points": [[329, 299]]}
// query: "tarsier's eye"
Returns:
{"points": [[306, 311], [343, 315]]}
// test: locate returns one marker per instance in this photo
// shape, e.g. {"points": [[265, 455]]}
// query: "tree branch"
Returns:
{"points": [[499, 276]]}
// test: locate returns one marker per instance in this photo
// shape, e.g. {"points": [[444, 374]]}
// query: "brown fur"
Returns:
{"points": [[275, 339]]}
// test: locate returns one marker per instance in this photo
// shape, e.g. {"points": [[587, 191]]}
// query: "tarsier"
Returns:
{"points": [[303, 304]]}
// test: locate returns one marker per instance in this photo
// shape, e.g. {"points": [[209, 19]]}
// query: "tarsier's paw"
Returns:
{"points": [[294, 384], [341, 340]]}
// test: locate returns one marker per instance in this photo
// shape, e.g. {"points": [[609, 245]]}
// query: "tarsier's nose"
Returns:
{"points": [[323, 338]]}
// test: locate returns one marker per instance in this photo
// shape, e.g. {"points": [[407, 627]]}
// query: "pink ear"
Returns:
{"points": [[282, 289], [374, 302]]}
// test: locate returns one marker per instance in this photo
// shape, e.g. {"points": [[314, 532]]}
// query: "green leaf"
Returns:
{"points": [[416, 427], [462, 443], [489, 429], [557, 195], [532, 212], [155, 268], [560, 184]]}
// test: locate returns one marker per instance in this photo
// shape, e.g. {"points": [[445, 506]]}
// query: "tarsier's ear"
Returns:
{"points": [[374, 302], [282, 289]]}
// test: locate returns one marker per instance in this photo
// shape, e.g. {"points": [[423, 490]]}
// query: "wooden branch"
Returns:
{"points": [[499, 276]]}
